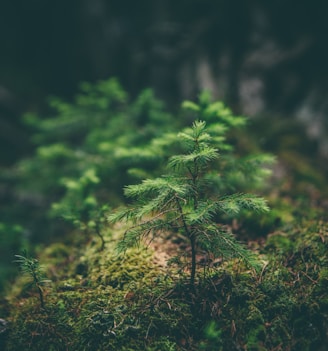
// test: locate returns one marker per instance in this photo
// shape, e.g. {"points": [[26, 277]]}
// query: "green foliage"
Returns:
{"points": [[85, 153], [89, 149], [31, 268], [79, 205], [185, 200], [234, 173]]}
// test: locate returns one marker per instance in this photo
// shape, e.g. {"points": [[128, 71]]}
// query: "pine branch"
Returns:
{"points": [[222, 243], [233, 204]]}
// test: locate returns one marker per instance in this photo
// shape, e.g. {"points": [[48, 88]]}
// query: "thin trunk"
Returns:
{"points": [[101, 238], [37, 284], [193, 261], [192, 244], [194, 175], [41, 296]]}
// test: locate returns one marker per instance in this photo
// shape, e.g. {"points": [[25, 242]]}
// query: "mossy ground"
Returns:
{"points": [[101, 301]]}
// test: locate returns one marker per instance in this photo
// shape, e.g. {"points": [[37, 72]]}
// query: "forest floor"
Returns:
{"points": [[100, 301]]}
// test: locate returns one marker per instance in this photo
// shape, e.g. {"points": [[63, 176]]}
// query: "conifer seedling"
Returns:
{"points": [[186, 200], [31, 268]]}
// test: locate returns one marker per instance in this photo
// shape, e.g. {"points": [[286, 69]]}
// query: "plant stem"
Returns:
{"points": [[193, 260], [101, 237], [36, 282], [192, 244], [41, 296]]}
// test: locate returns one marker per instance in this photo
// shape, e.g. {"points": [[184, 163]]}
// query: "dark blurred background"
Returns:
{"points": [[263, 58]]}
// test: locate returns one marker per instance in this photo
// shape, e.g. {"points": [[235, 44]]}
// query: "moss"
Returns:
{"points": [[101, 301], [279, 243], [97, 301], [35, 329]]}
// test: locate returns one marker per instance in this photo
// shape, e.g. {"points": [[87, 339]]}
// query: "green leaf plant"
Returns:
{"points": [[187, 201], [30, 267]]}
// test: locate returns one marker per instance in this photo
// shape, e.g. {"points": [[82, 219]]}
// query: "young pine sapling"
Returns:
{"points": [[31, 268], [187, 200]]}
